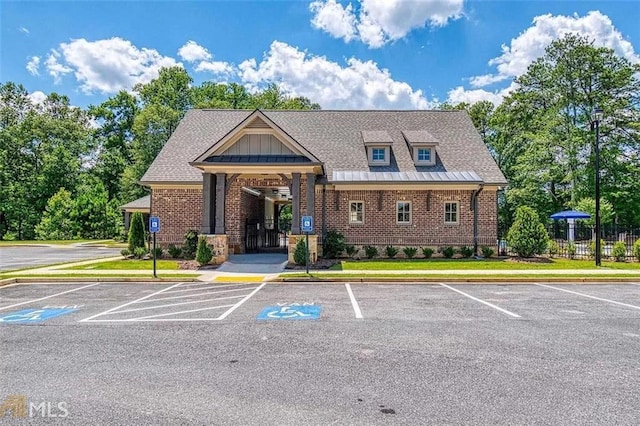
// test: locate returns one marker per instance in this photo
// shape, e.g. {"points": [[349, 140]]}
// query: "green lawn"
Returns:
{"points": [[129, 264], [460, 277], [486, 264], [59, 242], [89, 275]]}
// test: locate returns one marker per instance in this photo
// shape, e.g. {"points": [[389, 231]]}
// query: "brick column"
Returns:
{"points": [[311, 196], [221, 180], [295, 204], [208, 203]]}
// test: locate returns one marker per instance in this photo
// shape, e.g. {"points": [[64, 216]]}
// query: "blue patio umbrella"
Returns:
{"points": [[570, 216]]}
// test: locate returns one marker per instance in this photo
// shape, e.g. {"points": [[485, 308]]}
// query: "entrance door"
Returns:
{"points": [[252, 236]]}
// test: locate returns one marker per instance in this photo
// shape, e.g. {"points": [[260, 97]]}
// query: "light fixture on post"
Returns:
{"points": [[596, 116]]}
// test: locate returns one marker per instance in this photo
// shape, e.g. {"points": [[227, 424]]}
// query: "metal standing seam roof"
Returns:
{"points": [[446, 177], [335, 138]]}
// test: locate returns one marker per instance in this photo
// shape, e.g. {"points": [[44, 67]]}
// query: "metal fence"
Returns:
{"points": [[582, 246]]}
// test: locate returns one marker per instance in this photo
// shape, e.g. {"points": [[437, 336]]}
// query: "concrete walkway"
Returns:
{"points": [[603, 271], [260, 263]]}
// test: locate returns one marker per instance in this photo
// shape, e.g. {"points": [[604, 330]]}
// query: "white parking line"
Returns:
{"points": [[174, 304], [354, 302], [182, 312], [237, 305], [47, 297], [194, 295], [589, 296], [128, 303], [481, 301]]}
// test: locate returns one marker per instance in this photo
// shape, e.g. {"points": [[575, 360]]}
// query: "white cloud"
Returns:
{"points": [[357, 85], [33, 65], [108, 65], [37, 97], [333, 18], [531, 43], [192, 52], [24, 30], [55, 68], [382, 21], [460, 94]]}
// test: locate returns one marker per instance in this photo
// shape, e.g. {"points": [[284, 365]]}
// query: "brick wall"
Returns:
{"points": [[179, 209], [427, 226]]}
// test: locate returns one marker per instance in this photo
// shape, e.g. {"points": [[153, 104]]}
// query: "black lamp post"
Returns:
{"points": [[596, 116]]}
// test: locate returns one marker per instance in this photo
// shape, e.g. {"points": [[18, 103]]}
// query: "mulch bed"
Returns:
{"points": [[530, 260], [193, 266]]}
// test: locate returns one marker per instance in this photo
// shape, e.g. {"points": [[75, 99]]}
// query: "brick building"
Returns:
{"points": [[402, 178]]}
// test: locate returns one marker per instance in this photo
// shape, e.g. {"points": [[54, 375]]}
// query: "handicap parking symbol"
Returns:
{"points": [[290, 312], [29, 316]]}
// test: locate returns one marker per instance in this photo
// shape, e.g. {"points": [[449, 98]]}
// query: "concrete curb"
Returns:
{"points": [[501, 280], [67, 280]]}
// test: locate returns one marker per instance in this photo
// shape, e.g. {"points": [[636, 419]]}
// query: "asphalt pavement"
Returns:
{"points": [[253, 353], [17, 257]]}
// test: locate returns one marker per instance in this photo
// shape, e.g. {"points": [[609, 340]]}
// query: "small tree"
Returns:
{"points": [[619, 251], [527, 236], [204, 254], [190, 244], [300, 252], [57, 223], [333, 245], [136, 232]]}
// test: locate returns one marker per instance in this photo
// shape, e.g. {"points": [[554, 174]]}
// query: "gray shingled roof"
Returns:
{"points": [[334, 137], [140, 203]]}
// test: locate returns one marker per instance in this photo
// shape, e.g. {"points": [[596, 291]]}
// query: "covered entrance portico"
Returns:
{"points": [[248, 177]]}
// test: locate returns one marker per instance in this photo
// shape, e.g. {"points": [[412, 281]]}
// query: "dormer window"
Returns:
{"points": [[422, 145], [378, 145]]}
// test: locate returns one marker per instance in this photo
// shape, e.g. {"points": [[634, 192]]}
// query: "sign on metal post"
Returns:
{"points": [[154, 227], [154, 224], [307, 224]]}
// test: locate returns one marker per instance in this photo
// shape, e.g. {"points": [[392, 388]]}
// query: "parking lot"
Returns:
{"points": [[252, 353]]}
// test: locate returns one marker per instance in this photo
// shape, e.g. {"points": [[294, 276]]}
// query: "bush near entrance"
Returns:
{"points": [[136, 232], [300, 253], [204, 253], [527, 236], [334, 245], [190, 244]]}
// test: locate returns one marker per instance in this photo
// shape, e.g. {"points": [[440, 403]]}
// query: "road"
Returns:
{"points": [[18, 257], [197, 353]]}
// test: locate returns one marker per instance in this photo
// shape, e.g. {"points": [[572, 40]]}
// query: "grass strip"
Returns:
{"points": [[99, 276], [128, 264], [484, 264], [456, 276]]}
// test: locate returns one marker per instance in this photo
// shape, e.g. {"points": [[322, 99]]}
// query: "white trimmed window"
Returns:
{"points": [[356, 212], [451, 209], [424, 156], [378, 155], [403, 212]]}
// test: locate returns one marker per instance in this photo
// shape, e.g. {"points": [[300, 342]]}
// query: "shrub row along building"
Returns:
{"points": [[402, 178]]}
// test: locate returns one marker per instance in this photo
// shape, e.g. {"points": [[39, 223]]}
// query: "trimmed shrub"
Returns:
{"points": [[159, 252], [571, 249], [370, 251], [125, 252], [427, 252], [619, 251], [204, 254], [139, 252], [300, 252], [487, 252], [636, 249], [527, 236], [333, 245], [448, 252], [552, 248], [350, 250], [136, 232], [466, 252], [390, 251], [410, 252], [174, 251], [592, 248], [190, 244]]}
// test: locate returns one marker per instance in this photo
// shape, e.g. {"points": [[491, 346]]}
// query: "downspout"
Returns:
{"points": [[474, 201], [324, 212]]}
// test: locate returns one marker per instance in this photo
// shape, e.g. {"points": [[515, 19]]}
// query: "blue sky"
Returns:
{"points": [[358, 54]]}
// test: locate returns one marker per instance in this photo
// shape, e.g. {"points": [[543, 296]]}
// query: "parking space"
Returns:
{"points": [[250, 301]]}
